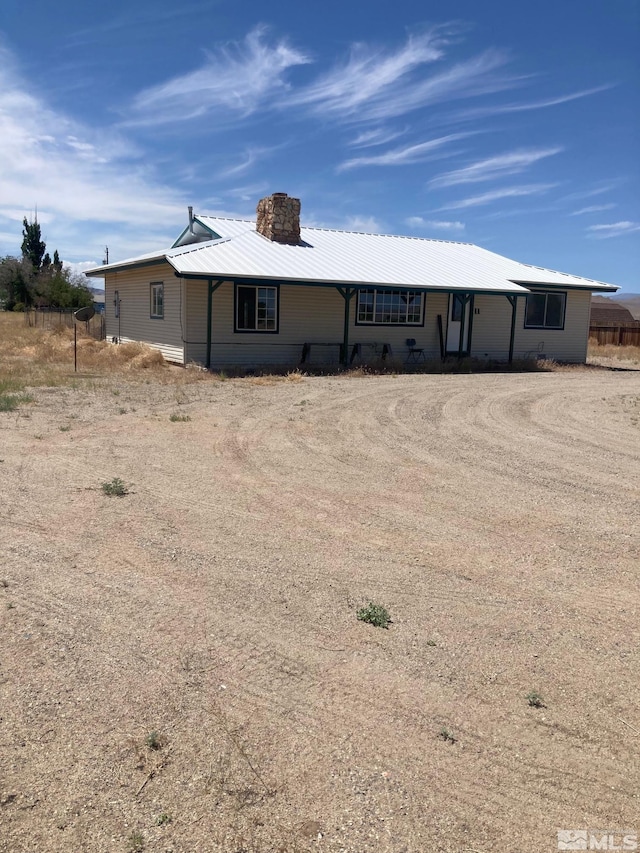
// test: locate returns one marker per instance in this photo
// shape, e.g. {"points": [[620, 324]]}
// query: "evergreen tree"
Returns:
{"points": [[57, 263], [33, 246]]}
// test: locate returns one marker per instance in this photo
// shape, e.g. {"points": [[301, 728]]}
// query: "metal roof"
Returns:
{"points": [[352, 258]]}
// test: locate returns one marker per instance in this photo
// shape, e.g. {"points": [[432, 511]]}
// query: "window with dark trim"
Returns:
{"points": [[390, 308], [545, 310], [256, 308], [157, 300]]}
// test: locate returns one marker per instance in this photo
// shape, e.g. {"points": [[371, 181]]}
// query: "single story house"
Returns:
{"points": [[233, 292]]}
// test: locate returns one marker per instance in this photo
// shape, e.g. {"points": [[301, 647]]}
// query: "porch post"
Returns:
{"points": [[347, 295], [465, 297], [471, 309], [514, 304]]}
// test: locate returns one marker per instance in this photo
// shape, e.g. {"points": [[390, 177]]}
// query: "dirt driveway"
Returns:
{"points": [[183, 669]]}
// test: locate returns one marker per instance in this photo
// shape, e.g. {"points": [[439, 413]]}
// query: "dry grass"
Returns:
{"points": [[612, 352], [33, 357], [36, 357]]}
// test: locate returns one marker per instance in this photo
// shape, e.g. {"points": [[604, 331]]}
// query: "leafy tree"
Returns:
{"points": [[64, 289], [16, 283], [33, 246], [36, 279]]}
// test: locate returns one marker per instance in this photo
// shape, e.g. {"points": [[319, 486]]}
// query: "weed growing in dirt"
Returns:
{"points": [[375, 614], [447, 735], [431, 643], [122, 411], [136, 842], [10, 402], [179, 418], [115, 488], [535, 700], [65, 428], [163, 819], [153, 740]]}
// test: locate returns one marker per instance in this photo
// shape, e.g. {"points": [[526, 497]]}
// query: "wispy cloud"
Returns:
{"points": [[374, 85], [498, 195], [512, 163], [615, 229], [596, 191], [238, 78], [377, 136], [500, 109], [435, 224], [594, 208], [249, 158], [402, 156]]}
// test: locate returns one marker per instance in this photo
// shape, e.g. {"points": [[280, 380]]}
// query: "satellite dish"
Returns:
{"points": [[84, 314]]}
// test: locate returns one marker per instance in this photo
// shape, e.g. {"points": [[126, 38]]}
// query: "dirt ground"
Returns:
{"points": [[182, 668]]}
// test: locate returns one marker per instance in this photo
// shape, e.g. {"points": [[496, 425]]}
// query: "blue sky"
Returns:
{"points": [[513, 126]]}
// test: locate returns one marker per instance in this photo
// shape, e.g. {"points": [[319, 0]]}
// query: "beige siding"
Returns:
{"points": [[491, 330], [307, 314], [135, 323], [568, 344]]}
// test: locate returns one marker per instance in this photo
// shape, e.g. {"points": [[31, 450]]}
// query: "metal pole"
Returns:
{"points": [[75, 347]]}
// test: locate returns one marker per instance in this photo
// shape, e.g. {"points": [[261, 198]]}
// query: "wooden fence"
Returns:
{"points": [[50, 318], [622, 334]]}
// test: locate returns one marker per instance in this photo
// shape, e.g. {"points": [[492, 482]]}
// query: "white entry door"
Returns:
{"points": [[454, 324]]}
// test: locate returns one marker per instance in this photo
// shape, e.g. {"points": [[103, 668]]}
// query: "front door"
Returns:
{"points": [[458, 315]]}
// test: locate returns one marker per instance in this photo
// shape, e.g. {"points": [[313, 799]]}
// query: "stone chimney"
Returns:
{"points": [[279, 218]]}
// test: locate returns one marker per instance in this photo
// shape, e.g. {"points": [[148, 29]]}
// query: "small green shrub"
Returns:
{"points": [[136, 842], [153, 740], [115, 488], [535, 700], [375, 614], [65, 428], [163, 819], [179, 418], [447, 735]]}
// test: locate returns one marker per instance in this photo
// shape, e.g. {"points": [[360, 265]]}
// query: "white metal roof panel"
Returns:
{"points": [[346, 257]]}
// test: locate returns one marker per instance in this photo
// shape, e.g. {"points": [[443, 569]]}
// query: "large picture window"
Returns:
{"points": [[256, 309], [545, 310], [157, 300], [390, 307]]}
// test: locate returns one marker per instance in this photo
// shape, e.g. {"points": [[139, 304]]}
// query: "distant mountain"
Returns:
{"points": [[631, 301]]}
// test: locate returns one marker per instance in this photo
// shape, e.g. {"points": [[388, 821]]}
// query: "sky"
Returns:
{"points": [[513, 126]]}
